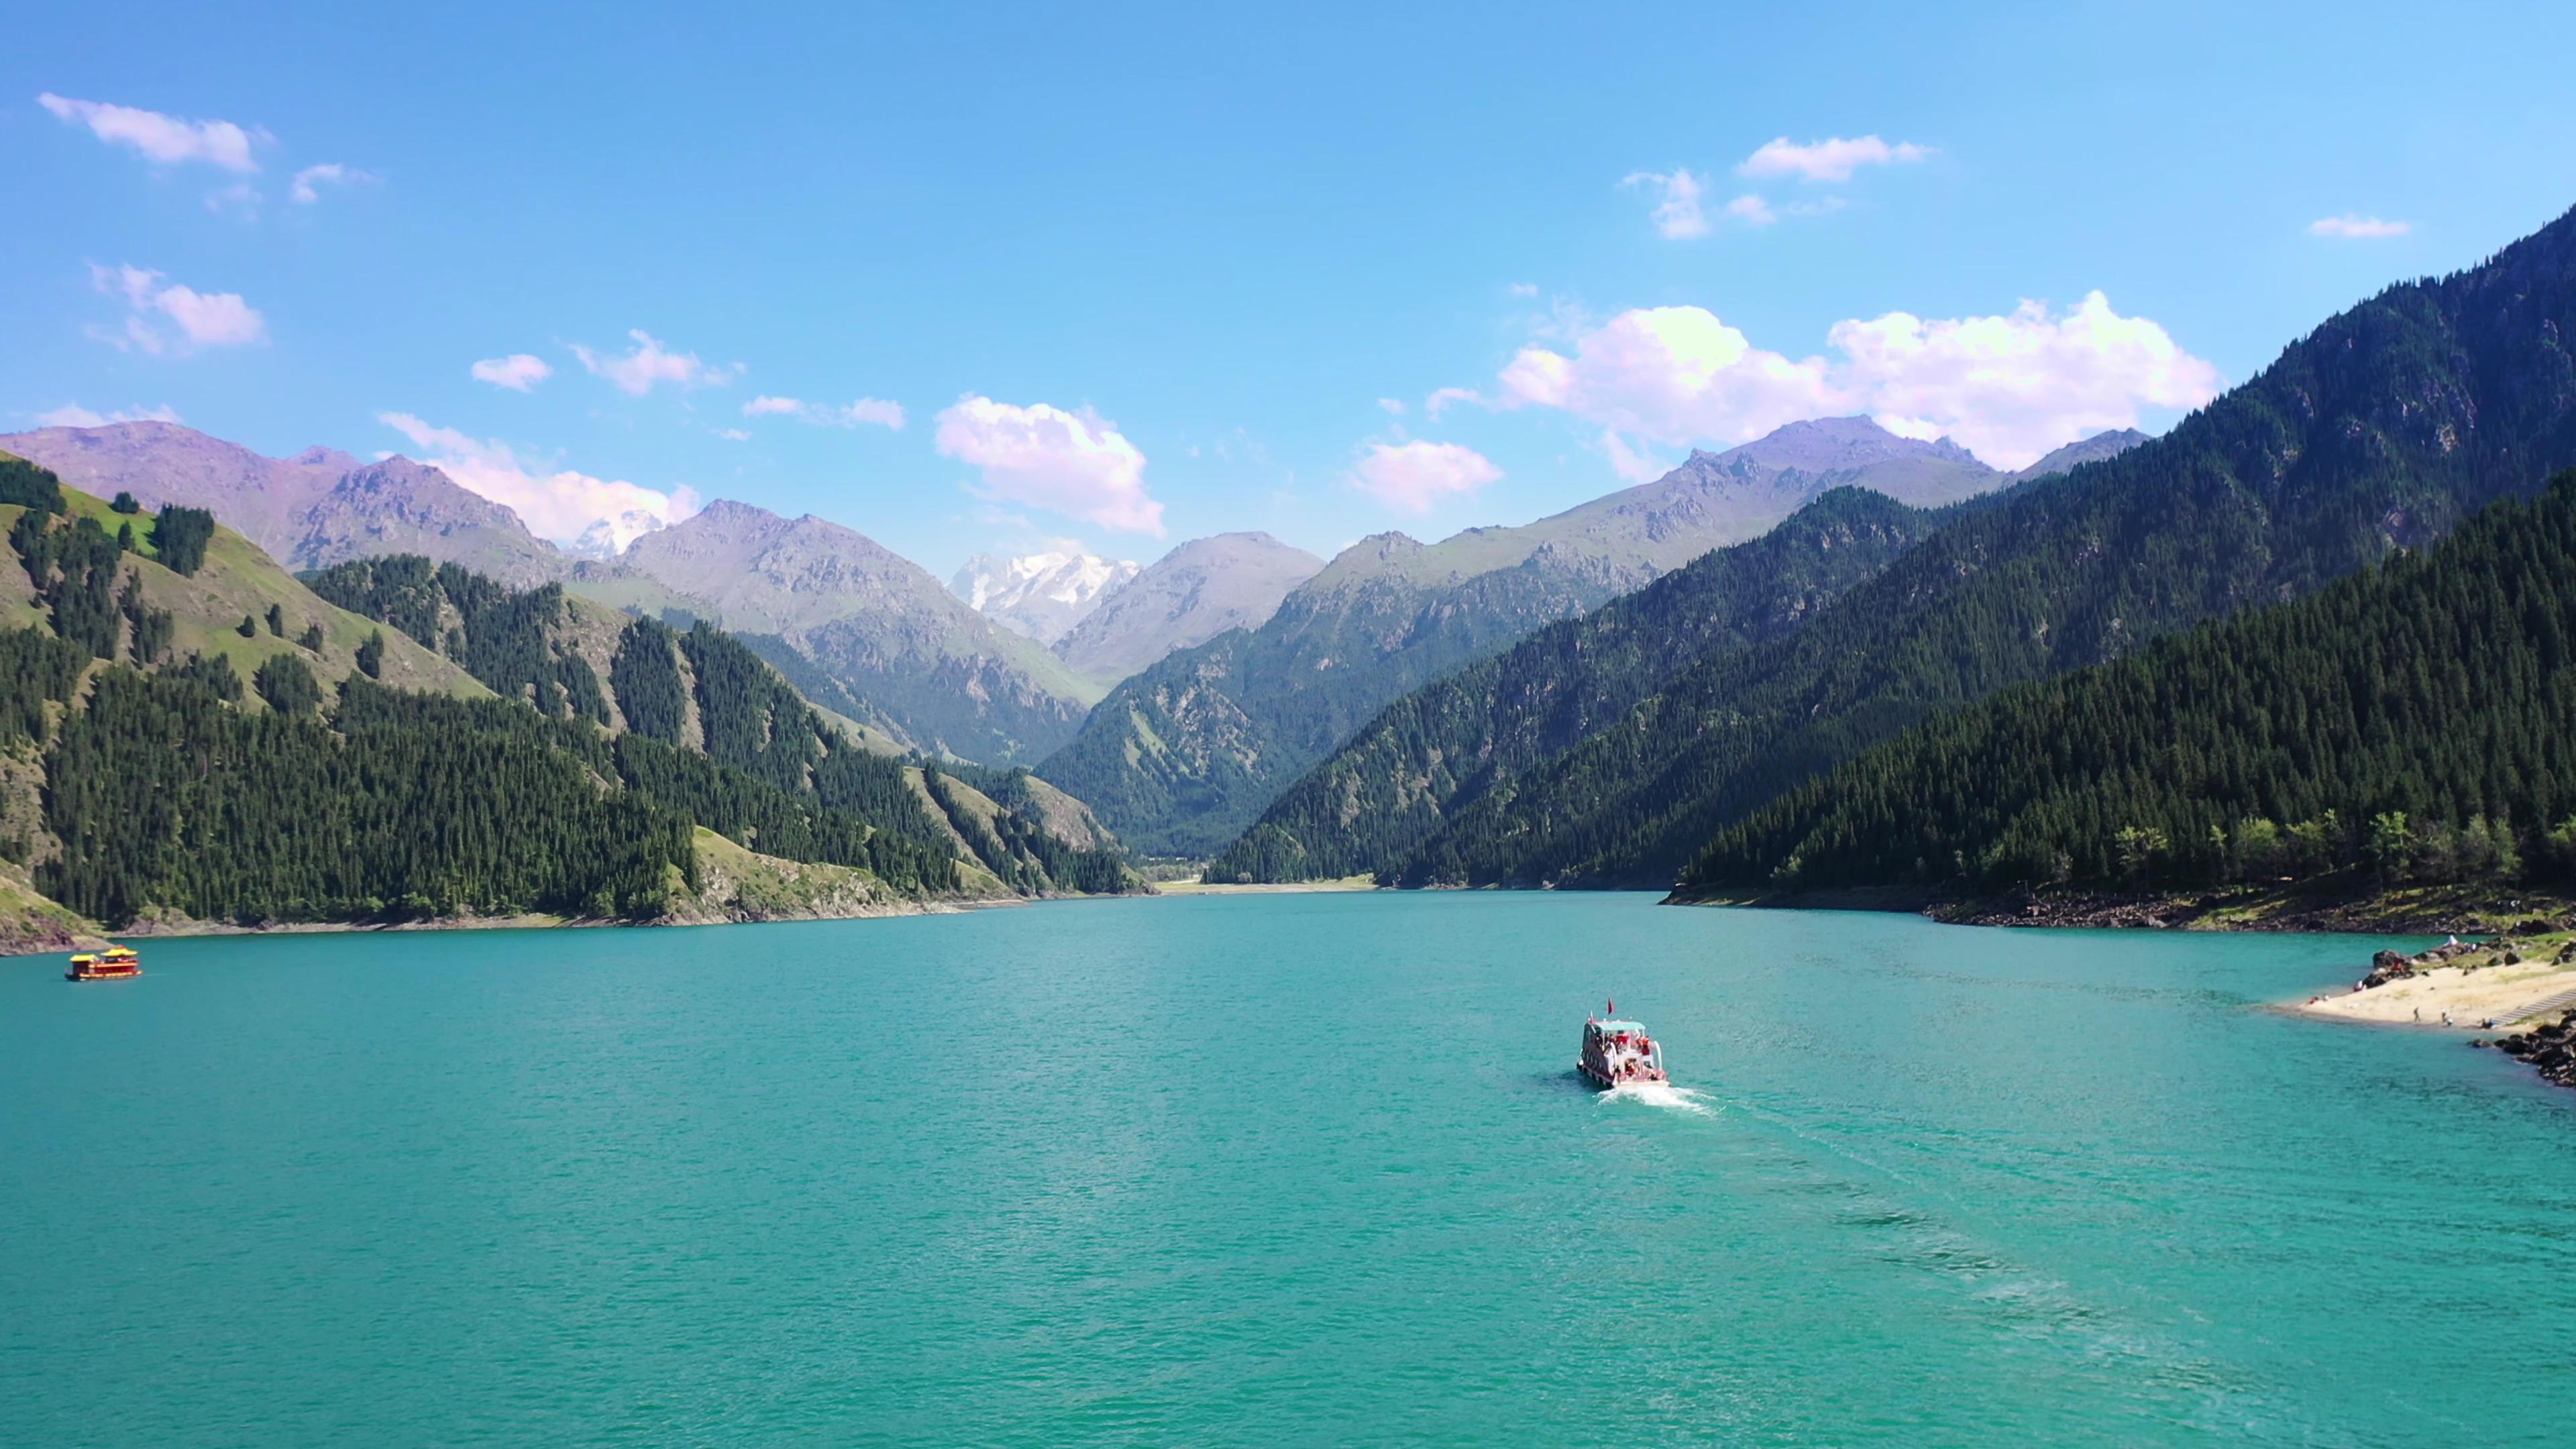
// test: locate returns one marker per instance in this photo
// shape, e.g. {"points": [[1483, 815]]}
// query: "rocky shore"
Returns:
{"points": [[2523, 979], [2430, 911], [2550, 1049]]}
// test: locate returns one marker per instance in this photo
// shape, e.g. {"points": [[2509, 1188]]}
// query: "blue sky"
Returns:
{"points": [[1137, 274]]}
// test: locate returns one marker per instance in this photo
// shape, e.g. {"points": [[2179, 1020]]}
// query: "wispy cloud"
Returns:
{"points": [[167, 140], [649, 363], [1834, 159], [1075, 464], [203, 319], [305, 191], [2358, 227], [1443, 399], [562, 505], [73, 415], [1751, 210], [519, 372], [873, 412], [1678, 215], [1418, 476]]}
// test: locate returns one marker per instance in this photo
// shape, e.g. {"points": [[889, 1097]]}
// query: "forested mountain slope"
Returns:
{"points": [[2416, 722], [1184, 756], [942, 676], [1441, 747], [2382, 429], [708, 694], [189, 733]]}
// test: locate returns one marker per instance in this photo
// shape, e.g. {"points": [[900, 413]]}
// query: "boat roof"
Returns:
{"points": [[1618, 1026]]}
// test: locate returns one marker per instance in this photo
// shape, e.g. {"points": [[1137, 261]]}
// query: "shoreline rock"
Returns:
{"points": [[2550, 1049]]}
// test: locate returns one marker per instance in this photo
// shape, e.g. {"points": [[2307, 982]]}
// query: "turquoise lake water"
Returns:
{"points": [[1266, 1170]]}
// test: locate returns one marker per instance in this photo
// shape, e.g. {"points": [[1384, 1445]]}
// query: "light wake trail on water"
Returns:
{"points": [[1660, 1094]]}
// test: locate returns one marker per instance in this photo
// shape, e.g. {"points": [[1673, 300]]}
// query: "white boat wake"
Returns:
{"points": [[1659, 1094]]}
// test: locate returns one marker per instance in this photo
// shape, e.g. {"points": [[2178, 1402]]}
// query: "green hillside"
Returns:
{"points": [[2380, 430], [700, 720], [2410, 724], [1364, 810], [191, 734]]}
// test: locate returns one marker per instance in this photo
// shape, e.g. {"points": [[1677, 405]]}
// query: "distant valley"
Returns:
{"points": [[1184, 756]]}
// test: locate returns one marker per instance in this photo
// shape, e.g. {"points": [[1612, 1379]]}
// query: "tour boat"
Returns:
{"points": [[114, 963], [1618, 1053]]}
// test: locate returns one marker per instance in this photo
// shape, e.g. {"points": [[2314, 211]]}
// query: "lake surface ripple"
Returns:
{"points": [[1265, 1170]]}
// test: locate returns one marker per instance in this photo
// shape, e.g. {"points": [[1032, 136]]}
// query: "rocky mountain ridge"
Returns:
{"points": [[1184, 755], [318, 508]]}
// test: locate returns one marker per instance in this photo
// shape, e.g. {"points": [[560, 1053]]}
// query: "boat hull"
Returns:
{"points": [[1600, 1083]]}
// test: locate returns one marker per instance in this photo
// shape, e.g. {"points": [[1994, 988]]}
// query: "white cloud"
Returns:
{"points": [[1523, 289], [1075, 464], [2358, 227], [1752, 210], [1442, 399], [868, 410], [1677, 214], [73, 415], [205, 319], [1829, 160], [519, 372], [165, 139], [2008, 387], [562, 506], [1392, 406], [733, 435], [332, 171], [650, 364], [1417, 476], [1674, 374]]}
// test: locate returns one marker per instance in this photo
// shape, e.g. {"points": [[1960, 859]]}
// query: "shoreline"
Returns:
{"points": [[2304, 907], [2518, 978], [1345, 884], [183, 929]]}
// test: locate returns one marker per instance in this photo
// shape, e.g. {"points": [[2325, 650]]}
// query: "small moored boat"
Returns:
{"points": [[113, 964], [1618, 1053]]}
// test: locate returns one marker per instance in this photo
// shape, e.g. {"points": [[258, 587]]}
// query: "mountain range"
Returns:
{"points": [[1183, 599], [195, 734], [843, 615], [1185, 754], [313, 510], [1041, 595], [2379, 431], [929, 670], [2406, 724]]}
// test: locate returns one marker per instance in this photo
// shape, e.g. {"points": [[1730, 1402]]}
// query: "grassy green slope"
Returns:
{"points": [[239, 580]]}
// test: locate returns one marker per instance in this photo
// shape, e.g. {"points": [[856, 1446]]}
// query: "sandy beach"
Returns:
{"points": [[2475, 988]]}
